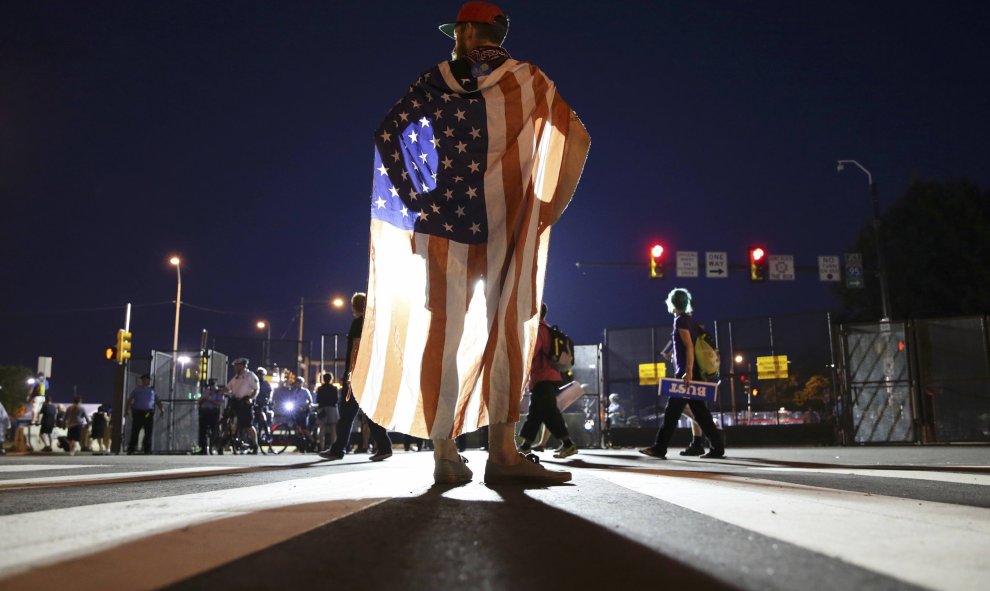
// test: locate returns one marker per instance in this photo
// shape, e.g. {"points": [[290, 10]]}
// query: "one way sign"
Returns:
{"points": [[717, 265]]}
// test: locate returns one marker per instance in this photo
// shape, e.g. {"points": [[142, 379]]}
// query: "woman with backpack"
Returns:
{"points": [[684, 335]]}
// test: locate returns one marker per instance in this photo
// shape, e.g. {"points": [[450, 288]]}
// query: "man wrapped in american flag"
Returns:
{"points": [[472, 167]]}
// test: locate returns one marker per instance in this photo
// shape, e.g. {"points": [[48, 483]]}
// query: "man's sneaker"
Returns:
{"points": [[525, 447], [382, 455], [714, 454], [540, 448], [693, 450], [565, 451], [451, 472], [528, 471], [329, 454], [654, 453]]}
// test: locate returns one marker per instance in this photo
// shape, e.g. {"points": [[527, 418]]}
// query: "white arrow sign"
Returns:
{"points": [[717, 265]]}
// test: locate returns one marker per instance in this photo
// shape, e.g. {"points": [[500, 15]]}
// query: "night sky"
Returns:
{"points": [[237, 135]]}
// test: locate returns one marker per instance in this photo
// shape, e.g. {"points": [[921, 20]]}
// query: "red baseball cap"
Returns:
{"points": [[475, 12]]}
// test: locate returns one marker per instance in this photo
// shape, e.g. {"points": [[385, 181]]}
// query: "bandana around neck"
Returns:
{"points": [[484, 59]]}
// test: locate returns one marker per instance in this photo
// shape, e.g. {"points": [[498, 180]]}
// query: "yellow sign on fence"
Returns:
{"points": [[771, 367], [650, 373]]}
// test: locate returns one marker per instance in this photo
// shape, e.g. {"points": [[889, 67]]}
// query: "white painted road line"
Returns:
{"points": [[42, 467], [936, 476], [892, 536], [180, 536], [111, 476]]}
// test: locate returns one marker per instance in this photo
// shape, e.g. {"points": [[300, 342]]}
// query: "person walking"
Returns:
{"points": [[243, 387], [349, 406], [47, 417], [140, 406], [4, 427], [472, 167], [210, 406], [544, 384], [76, 420], [685, 332], [98, 430], [327, 415]]}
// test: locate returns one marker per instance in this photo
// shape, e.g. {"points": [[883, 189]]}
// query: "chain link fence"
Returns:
{"points": [[920, 381]]}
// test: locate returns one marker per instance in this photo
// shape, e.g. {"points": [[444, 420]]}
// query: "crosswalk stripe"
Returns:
{"points": [[44, 467], [183, 535], [116, 476], [836, 523], [953, 477]]}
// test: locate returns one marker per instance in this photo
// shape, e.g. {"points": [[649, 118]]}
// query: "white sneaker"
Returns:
{"points": [[452, 472], [529, 471], [565, 451]]}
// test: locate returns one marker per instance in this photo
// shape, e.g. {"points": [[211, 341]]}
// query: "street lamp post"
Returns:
{"points": [[175, 345], [336, 302], [881, 267], [268, 340]]}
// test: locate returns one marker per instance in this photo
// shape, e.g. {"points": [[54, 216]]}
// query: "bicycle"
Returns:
{"points": [[287, 432]]}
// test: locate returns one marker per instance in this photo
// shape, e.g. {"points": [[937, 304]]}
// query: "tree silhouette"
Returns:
{"points": [[936, 240]]}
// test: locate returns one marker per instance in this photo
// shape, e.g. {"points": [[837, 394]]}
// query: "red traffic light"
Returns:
{"points": [[656, 251], [757, 254]]}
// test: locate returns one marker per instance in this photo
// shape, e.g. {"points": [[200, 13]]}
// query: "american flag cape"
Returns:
{"points": [[470, 173]]}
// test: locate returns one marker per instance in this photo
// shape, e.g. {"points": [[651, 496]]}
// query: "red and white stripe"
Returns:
{"points": [[450, 328]]}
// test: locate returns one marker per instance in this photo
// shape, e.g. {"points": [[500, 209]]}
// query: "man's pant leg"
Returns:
{"points": [[552, 417], [535, 415], [675, 406], [137, 422], [348, 411], [383, 442], [149, 428], [707, 423], [208, 421]]}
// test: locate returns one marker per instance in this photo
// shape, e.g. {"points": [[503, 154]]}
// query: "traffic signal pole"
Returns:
{"points": [[120, 386]]}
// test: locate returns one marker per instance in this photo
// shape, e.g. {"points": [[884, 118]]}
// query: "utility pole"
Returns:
{"points": [[299, 353], [120, 386]]}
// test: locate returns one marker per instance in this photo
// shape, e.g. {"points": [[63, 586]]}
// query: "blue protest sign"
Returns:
{"points": [[675, 388]]}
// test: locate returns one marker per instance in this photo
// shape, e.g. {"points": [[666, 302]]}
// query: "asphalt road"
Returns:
{"points": [[807, 518]]}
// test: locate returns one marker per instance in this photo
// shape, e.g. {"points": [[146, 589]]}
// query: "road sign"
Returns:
{"points": [[828, 268], [717, 265], [781, 267], [675, 388], [854, 270], [687, 263], [650, 373], [771, 367]]}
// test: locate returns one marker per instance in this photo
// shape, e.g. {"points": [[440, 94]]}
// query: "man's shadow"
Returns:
{"points": [[508, 541]]}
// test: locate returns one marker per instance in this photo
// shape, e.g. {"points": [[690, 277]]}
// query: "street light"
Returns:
{"points": [[881, 267], [264, 324], [737, 360], [178, 302], [175, 345], [336, 302]]}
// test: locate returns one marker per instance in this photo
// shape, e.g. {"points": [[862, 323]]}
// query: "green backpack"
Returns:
{"points": [[706, 356]]}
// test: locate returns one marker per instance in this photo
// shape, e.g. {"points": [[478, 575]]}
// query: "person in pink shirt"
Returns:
{"points": [[544, 384]]}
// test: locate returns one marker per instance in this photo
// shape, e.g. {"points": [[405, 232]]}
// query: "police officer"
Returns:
{"points": [[141, 404], [243, 387], [210, 407]]}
